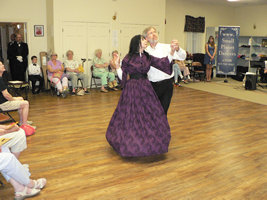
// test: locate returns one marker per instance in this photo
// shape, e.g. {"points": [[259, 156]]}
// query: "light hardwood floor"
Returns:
{"points": [[218, 151]]}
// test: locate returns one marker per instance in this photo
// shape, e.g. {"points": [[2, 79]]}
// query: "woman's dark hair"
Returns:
{"points": [[212, 43], [135, 45]]}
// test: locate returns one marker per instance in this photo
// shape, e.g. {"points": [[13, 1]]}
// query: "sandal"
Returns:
{"points": [[23, 195], [104, 90], [39, 183]]}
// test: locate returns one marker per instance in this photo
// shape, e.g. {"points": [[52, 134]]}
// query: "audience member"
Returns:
{"points": [[112, 63], [100, 70], [57, 76], [18, 176], [35, 75], [8, 102], [75, 72], [17, 142], [184, 69]]}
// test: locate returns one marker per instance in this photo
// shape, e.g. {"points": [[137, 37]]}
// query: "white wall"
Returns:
{"points": [[249, 16], [176, 10], [128, 11], [33, 12]]}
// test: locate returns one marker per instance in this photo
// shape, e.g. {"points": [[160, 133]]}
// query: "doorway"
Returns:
{"points": [[6, 30]]}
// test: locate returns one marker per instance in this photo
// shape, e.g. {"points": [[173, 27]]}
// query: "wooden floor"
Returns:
{"points": [[218, 151]]}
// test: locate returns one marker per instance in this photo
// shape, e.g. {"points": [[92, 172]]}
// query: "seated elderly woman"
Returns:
{"points": [[179, 66], [57, 76], [18, 176], [17, 142], [100, 70], [75, 72], [112, 62], [8, 102]]}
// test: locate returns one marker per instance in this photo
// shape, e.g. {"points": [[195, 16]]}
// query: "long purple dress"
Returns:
{"points": [[139, 126]]}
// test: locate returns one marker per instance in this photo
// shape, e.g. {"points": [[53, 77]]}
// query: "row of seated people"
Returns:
{"points": [[60, 73]]}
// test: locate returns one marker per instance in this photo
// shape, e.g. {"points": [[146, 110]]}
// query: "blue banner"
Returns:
{"points": [[228, 41]]}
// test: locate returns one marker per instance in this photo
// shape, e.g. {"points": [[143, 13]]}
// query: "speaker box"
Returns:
{"points": [[250, 82]]}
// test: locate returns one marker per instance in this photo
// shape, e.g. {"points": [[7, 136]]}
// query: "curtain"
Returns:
{"points": [[194, 42], [193, 24]]}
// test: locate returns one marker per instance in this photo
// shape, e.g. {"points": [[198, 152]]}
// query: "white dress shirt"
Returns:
{"points": [[34, 70], [160, 51]]}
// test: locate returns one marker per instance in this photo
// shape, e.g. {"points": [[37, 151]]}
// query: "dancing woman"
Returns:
{"points": [[139, 126]]}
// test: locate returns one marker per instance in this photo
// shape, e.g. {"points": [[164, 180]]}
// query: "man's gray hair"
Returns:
{"points": [[148, 29]]}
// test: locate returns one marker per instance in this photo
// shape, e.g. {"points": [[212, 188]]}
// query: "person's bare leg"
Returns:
{"points": [[207, 72], [24, 111], [18, 187]]}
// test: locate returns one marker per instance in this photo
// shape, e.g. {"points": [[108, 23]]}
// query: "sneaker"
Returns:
{"points": [[86, 92], [73, 93], [30, 122], [177, 84]]}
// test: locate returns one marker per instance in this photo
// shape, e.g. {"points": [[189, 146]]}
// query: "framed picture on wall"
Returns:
{"points": [[38, 30]]}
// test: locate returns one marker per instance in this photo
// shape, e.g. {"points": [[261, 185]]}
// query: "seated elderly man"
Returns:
{"points": [[8, 102], [75, 72], [17, 142], [100, 70], [18, 176]]}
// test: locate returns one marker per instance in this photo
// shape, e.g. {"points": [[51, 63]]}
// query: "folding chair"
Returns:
{"points": [[53, 88], [7, 112], [93, 78]]}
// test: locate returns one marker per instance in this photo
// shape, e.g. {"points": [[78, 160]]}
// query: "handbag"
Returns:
{"points": [[29, 130], [80, 92]]}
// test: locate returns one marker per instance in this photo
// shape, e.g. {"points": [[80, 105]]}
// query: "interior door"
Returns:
{"points": [[98, 37], [75, 39]]}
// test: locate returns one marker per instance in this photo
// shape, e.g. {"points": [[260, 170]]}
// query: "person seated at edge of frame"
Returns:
{"points": [[17, 142], [75, 71], [35, 75], [100, 70], [8, 102], [57, 76], [19, 176], [263, 73]]}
